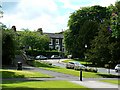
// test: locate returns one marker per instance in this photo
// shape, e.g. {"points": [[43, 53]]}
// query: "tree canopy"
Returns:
{"points": [[83, 26], [34, 40]]}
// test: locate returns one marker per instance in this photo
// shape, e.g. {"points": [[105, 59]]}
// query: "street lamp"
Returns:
{"points": [[109, 63], [85, 55]]}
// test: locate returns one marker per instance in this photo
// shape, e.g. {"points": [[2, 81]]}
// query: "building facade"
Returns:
{"points": [[56, 42]]}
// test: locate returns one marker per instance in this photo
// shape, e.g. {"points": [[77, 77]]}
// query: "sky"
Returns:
{"points": [[50, 15]]}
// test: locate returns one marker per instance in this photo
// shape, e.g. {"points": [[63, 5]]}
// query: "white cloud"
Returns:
{"points": [[83, 3], [103, 2], [34, 14]]}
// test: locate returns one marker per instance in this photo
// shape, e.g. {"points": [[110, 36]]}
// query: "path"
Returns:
{"points": [[97, 85]]}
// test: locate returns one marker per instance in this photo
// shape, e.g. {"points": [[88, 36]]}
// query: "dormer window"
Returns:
{"points": [[57, 41]]}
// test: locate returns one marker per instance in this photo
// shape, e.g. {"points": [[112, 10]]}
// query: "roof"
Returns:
{"points": [[54, 35]]}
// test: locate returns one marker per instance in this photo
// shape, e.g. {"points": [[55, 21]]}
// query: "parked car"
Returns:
{"points": [[75, 65], [41, 57], [69, 57], [55, 57], [117, 67]]}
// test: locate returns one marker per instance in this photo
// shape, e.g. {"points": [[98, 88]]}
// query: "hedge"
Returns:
{"points": [[45, 53]]}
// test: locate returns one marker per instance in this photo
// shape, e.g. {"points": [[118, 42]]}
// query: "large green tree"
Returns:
{"points": [[8, 46], [83, 25], [100, 52]]}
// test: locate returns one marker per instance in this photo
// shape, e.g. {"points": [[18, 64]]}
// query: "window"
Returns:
{"points": [[57, 41], [57, 47], [50, 47], [51, 42]]}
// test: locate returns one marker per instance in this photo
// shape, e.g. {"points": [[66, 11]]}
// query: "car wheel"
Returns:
{"points": [[116, 70], [67, 67], [74, 68]]}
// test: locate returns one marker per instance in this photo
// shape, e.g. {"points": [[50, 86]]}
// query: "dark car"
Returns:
{"points": [[55, 57], [41, 57]]}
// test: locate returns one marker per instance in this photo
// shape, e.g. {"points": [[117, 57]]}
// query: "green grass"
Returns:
{"points": [[42, 64], [22, 74], [111, 81], [40, 84]]}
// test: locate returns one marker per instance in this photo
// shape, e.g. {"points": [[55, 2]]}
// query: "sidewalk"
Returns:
{"points": [[97, 85]]}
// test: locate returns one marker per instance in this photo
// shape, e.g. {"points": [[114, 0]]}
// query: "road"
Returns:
{"points": [[58, 62]]}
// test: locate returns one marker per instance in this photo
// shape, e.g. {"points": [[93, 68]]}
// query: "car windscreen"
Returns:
{"points": [[118, 65]]}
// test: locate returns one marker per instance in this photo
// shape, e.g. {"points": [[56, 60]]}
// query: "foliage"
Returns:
{"points": [[83, 25], [33, 40], [104, 48], [115, 20], [39, 52], [8, 46], [99, 52]]}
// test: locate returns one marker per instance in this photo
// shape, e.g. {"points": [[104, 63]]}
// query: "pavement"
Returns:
{"points": [[97, 85], [93, 83]]}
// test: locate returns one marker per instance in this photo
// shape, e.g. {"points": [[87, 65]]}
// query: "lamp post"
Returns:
{"points": [[85, 55], [109, 63]]}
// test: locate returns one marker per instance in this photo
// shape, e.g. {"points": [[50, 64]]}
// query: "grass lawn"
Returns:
{"points": [[22, 74], [40, 84], [111, 81]]}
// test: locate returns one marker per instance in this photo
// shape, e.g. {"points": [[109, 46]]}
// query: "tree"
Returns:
{"points": [[83, 25], [99, 52], [8, 47], [34, 40], [115, 20]]}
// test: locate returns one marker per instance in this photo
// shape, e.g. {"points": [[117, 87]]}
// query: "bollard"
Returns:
{"points": [[19, 66], [80, 74]]}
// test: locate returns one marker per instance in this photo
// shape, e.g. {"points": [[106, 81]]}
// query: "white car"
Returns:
{"points": [[55, 57], [41, 57], [117, 67]]}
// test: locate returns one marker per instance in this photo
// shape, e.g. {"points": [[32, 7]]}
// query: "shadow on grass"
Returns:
{"points": [[109, 75], [5, 87], [9, 74], [17, 81]]}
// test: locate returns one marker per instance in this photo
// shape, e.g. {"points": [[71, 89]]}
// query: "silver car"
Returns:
{"points": [[117, 67], [75, 65], [41, 57]]}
